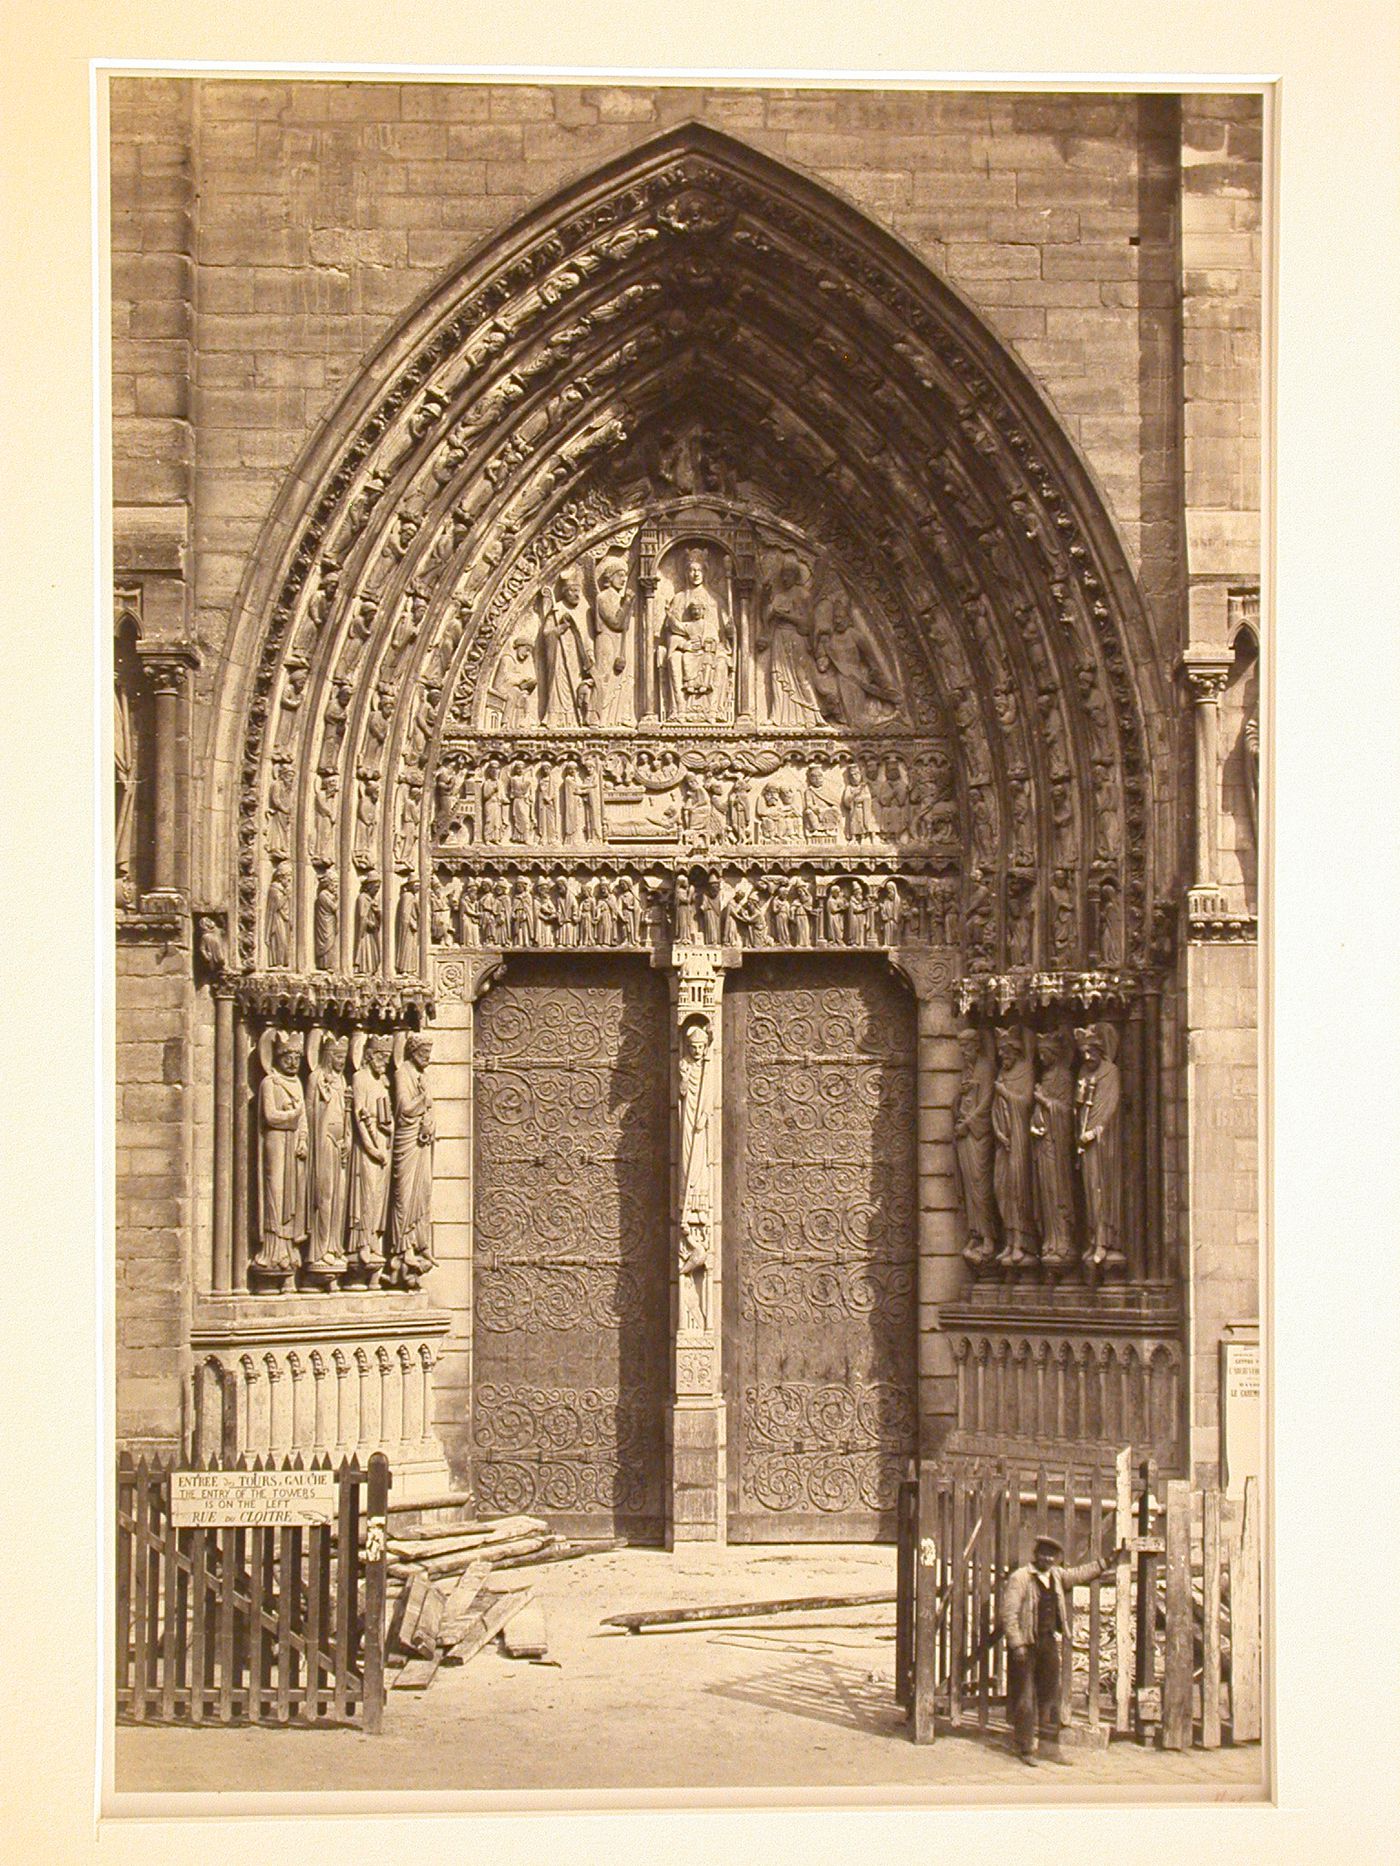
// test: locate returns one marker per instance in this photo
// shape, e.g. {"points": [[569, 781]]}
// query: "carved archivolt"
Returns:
{"points": [[694, 463]]}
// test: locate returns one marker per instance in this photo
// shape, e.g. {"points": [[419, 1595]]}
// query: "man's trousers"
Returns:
{"points": [[1033, 1692]]}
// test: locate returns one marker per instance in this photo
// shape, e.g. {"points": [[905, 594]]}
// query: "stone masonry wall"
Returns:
{"points": [[153, 1196]]}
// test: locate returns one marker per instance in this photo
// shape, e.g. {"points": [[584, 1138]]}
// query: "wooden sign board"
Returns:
{"points": [[1242, 1419], [257, 1499]]}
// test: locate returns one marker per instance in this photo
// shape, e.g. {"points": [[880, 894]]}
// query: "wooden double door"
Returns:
{"points": [[572, 1278]]}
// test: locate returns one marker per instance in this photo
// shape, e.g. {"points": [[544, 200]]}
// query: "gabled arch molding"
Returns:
{"points": [[696, 289]]}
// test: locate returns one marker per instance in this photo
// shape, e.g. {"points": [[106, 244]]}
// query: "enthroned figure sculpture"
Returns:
{"points": [[693, 651]]}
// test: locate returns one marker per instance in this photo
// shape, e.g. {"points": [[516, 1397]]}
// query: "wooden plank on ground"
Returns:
{"points": [[1180, 1641], [744, 1609], [414, 1602], [484, 1628], [431, 1539], [418, 1674], [1123, 1530], [424, 1639], [924, 1576], [1210, 1611], [461, 1603], [526, 1636], [1246, 1720]]}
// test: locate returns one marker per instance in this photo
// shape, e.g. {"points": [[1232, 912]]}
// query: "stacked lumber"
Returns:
{"points": [[451, 1548], [446, 1604], [447, 1622]]}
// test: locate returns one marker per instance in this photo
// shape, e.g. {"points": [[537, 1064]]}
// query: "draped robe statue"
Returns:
{"points": [[284, 1147], [614, 702], [1052, 1145], [1099, 1098], [415, 1131], [373, 1127], [1011, 1131], [972, 1146], [697, 1171], [328, 1117], [786, 634], [566, 659]]}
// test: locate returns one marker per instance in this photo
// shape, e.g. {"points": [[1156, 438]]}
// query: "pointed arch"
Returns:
{"points": [[515, 414]]}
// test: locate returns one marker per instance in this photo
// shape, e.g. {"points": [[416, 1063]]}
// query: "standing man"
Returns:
{"points": [[1033, 1617]]}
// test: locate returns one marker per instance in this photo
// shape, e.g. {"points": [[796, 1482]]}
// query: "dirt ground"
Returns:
{"points": [[800, 1702]]}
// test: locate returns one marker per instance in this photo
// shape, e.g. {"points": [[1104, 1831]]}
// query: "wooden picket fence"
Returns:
{"points": [[251, 1624], [1169, 1648]]}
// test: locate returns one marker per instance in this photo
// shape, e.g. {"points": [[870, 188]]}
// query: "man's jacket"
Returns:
{"points": [[1018, 1599]]}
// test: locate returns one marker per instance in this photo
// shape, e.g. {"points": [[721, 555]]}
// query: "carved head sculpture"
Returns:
{"points": [[286, 1052], [377, 1053], [1011, 1045], [696, 1038], [970, 1046], [695, 568], [613, 574], [418, 1048], [1051, 1049], [570, 584], [334, 1051]]}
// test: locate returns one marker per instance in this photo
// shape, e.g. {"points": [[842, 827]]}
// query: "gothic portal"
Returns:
{"points": [[689, 872]]}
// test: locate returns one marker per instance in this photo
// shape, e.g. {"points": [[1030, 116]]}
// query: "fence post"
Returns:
{"points": [[906, 1538], [376, 1558], [1149, 1705], [1245, 1708], [925, 1629], [1095, 1597], [1123, 1591], [1210, 1619], [1180, 1644]]}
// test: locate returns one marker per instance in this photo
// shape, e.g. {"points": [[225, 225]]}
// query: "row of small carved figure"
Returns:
{"points": [[1036, 1142], [565, 802], [368, 929], [345, 1161], [571, 910]]}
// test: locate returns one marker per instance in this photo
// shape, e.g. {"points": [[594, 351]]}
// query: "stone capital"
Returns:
{"points": [[929, 971], [167, 664], [1206, 669]]}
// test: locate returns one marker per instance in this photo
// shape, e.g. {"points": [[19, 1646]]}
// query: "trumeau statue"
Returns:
{"points": [[1098, 1096], [697, 1169], [972, 1145], [415, 1131], [284, 1147], [370, 1167]]}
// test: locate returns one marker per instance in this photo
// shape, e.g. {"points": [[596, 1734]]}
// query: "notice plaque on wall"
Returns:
{"points": [[1242, 1421], [274, 1499]]}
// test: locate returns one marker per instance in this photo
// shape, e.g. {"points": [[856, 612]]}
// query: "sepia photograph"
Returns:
{"points": [[698, 809], [688, 808]]}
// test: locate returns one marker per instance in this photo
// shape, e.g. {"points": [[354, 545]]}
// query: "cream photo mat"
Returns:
{"points": [[1333, 657]]}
